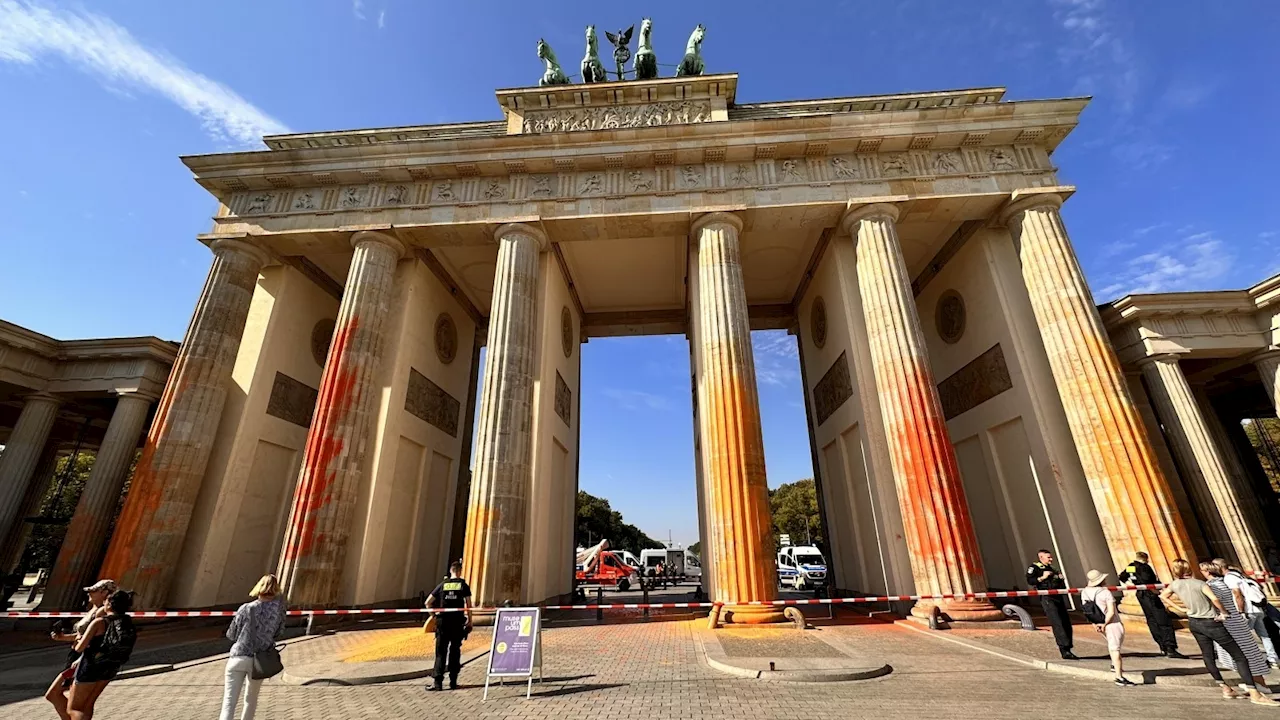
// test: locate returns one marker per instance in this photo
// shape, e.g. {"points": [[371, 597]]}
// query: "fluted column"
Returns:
{"points": [[493, 553], [737, 496], [22, 453], [1268, 364], [87, 534], [1131, 494], [148, 538], [1204, 469], [15, 542], [945, 557], [324, 502]]}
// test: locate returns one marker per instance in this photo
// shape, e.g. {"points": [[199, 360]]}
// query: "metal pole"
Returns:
{"points": [[645, 589], [599, 602]]}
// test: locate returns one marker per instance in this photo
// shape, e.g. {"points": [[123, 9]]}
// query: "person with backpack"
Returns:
{"points": [[1099, 607], [1252, 602], [104, 648], [253, 633], [57, 692]]}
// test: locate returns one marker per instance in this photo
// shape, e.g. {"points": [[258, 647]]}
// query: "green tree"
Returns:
{"points": [[70, 475], [596, 520], [696, 548], [795, 512], [1264, 436]]}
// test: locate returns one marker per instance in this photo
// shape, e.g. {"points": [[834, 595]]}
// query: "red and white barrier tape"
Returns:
{"points": [[621, 606]]}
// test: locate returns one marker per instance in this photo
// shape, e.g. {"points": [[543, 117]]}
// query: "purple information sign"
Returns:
{"points": [[515, 640]]}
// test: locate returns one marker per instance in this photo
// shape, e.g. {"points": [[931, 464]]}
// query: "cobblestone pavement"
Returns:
{"points": [[653, 671]]}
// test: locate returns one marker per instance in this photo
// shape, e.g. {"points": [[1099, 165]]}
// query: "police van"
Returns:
{"points": [[801, 567]]}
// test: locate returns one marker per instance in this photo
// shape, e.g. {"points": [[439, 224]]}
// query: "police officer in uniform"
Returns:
{"points": [[1042, 576], [451, 627], [1158, 621]]}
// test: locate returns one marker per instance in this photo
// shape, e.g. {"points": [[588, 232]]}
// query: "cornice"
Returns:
{"points": [[353, 155]]}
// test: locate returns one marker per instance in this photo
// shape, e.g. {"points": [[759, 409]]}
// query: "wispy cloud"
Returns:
{"points": [[30, 32], [382, 19], [1196, 262], [1097, 52], [637, 400], [357, 9], [777, 358]]}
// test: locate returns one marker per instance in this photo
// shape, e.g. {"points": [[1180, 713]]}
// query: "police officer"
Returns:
{"points": [[1042, 576], [451, 627], [1158, 621]]}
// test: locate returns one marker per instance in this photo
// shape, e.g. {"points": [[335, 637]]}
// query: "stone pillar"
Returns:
{"points": [[1131, 494], [19, 530], [87, 534], [732, 447], [493, 553], [1203, 466], [152, 526], [333, 462], [945, 557], [1268, 364], [22, 453]]}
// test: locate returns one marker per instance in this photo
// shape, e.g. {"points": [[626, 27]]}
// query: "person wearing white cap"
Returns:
{"points": [[1106, 620], [57, 692]]}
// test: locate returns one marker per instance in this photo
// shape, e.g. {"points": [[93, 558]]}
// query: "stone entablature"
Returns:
{"points": [[1207, 323], [955, 167], [40, 363]]}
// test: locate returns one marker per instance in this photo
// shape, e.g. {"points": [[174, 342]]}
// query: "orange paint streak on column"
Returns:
{"points": [[333, 466], [493, 553], [147, 541], [944, 552], [729, 424], [1130, 492]]}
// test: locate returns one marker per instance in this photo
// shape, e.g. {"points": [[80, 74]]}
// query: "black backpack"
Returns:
{"points": [[118, 640], [1092, 612]]}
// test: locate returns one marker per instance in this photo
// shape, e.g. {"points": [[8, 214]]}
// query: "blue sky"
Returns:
{"points": [[1173, 158]]}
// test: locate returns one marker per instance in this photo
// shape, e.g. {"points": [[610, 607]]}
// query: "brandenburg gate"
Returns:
{"points": [[965, 404]]}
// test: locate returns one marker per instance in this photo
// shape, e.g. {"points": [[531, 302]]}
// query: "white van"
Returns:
{"points": [[677, 562], [628, 558], [801, 566]]}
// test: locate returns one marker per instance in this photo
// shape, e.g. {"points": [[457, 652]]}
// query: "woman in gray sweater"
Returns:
{"points": [[253, 629]]}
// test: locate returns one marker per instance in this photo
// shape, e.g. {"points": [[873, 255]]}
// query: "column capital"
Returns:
{"points": [[136, 395], [1024, 200], [43, 396], [1271, 353], [715, 218], [1166, 358], [883, 210], [227, 246], [524, 229], [375, 236]]}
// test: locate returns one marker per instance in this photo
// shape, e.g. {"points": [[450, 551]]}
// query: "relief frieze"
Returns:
{"points": [[431, 403], [953, 167], [656, 114], [835, 387], [292, 400], [985, 377]]}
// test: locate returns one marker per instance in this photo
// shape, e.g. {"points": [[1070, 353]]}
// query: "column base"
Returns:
{"points": [[752, 614], [958, 610]]}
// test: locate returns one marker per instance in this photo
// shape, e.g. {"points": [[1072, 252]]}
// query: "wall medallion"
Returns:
{"points": [[818, 322], [321, 336], [950, 316], [446, 335], [566, 332]]}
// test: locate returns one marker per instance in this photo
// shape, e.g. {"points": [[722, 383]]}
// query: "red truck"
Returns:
{"points": [[599, 566]]}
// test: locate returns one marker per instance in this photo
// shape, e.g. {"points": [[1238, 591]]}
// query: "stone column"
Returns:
{"points": [[732, 447], [1203, 466], [22, 453], [315, 541], [152, 526], [945, 557], [1268, 364], [19, 530], [493, 553], [87, 534], [1131, 494]]}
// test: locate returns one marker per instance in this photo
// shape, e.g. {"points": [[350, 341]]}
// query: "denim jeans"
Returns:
{"points": [[238, 670], [1260, 629]]}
